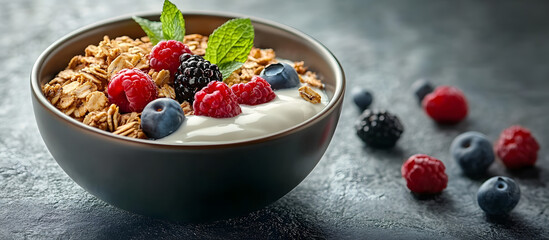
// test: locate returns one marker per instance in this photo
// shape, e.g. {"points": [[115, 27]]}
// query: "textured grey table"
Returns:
{"points": [[498, 54]]}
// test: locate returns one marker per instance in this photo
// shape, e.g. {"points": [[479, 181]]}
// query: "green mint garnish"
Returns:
{"points": [[230, 44], [151, 28], [170, 27], [173, 24], [227, 68]]}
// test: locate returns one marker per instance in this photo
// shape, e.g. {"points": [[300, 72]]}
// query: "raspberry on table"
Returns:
{"points": [[193, 73], [257, 91], [165, 55], [446, 104], [379, 129], [517, 147], [131, 90], [424, 174], [216, 100]]}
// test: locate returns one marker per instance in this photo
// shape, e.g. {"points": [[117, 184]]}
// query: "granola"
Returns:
{"points": [[80, 90], [309, 94]]}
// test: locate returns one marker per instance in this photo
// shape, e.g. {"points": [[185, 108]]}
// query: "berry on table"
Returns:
{"points": [[362, 98], [280, 75], [257, 91], [424, 174], [517, 147], [193, 74], [379, 129], [498, 195], [165, 55], [131, 90], [473, 153], [446, 104], [216, 100], [421, 88], [161, 117]]}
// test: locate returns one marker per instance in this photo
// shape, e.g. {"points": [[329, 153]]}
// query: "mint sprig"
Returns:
{"points": [[173, 24], [151, 28], [230, 44], [170, 27]]}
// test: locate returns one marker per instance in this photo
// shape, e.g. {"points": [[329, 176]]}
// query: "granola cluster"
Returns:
{"points": [[80, 91]]}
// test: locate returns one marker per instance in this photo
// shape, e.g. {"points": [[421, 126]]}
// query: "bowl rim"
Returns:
{"points": [[336, 99]]}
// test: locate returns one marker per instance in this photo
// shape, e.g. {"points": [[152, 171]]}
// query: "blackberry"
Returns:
{"points": [[379, 129], [194, 73]]}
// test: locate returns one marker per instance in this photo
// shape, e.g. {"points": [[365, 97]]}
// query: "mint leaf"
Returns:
{"points": [[173, 24], [227, 68], [151, 28], [229, 43]]}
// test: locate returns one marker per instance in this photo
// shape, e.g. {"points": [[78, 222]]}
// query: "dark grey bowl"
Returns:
{"points": [[188, 182]]}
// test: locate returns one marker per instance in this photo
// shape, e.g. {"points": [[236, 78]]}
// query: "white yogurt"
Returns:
{"points": [[286, 110]]}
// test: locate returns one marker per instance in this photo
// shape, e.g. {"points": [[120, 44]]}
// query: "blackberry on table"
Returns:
{"points": [[193, 74], [379, 129]]}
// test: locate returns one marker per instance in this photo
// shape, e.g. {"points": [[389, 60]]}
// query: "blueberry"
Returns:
{"points": [[161, 117], [473, 152], [498, 195], [280, 76], [362, 98], [421, 88]]}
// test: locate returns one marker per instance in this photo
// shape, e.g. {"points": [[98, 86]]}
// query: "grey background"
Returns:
{"points": [[497, 53]]}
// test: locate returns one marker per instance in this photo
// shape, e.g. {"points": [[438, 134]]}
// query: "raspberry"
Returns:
{"points": [[193, 74], [257, 91], [516, 147], [446, 105], [131, 90], [424, 174], [165, 55], [216, 100], [378, 129]]}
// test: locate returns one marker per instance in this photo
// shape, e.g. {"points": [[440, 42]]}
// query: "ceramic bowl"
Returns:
{"points": [[188, 182]]}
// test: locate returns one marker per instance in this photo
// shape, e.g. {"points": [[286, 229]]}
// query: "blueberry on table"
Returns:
{"points": [[362, 98], [498, 195], [473, 152], [280, 76], [421, 88], [161, 117]]}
